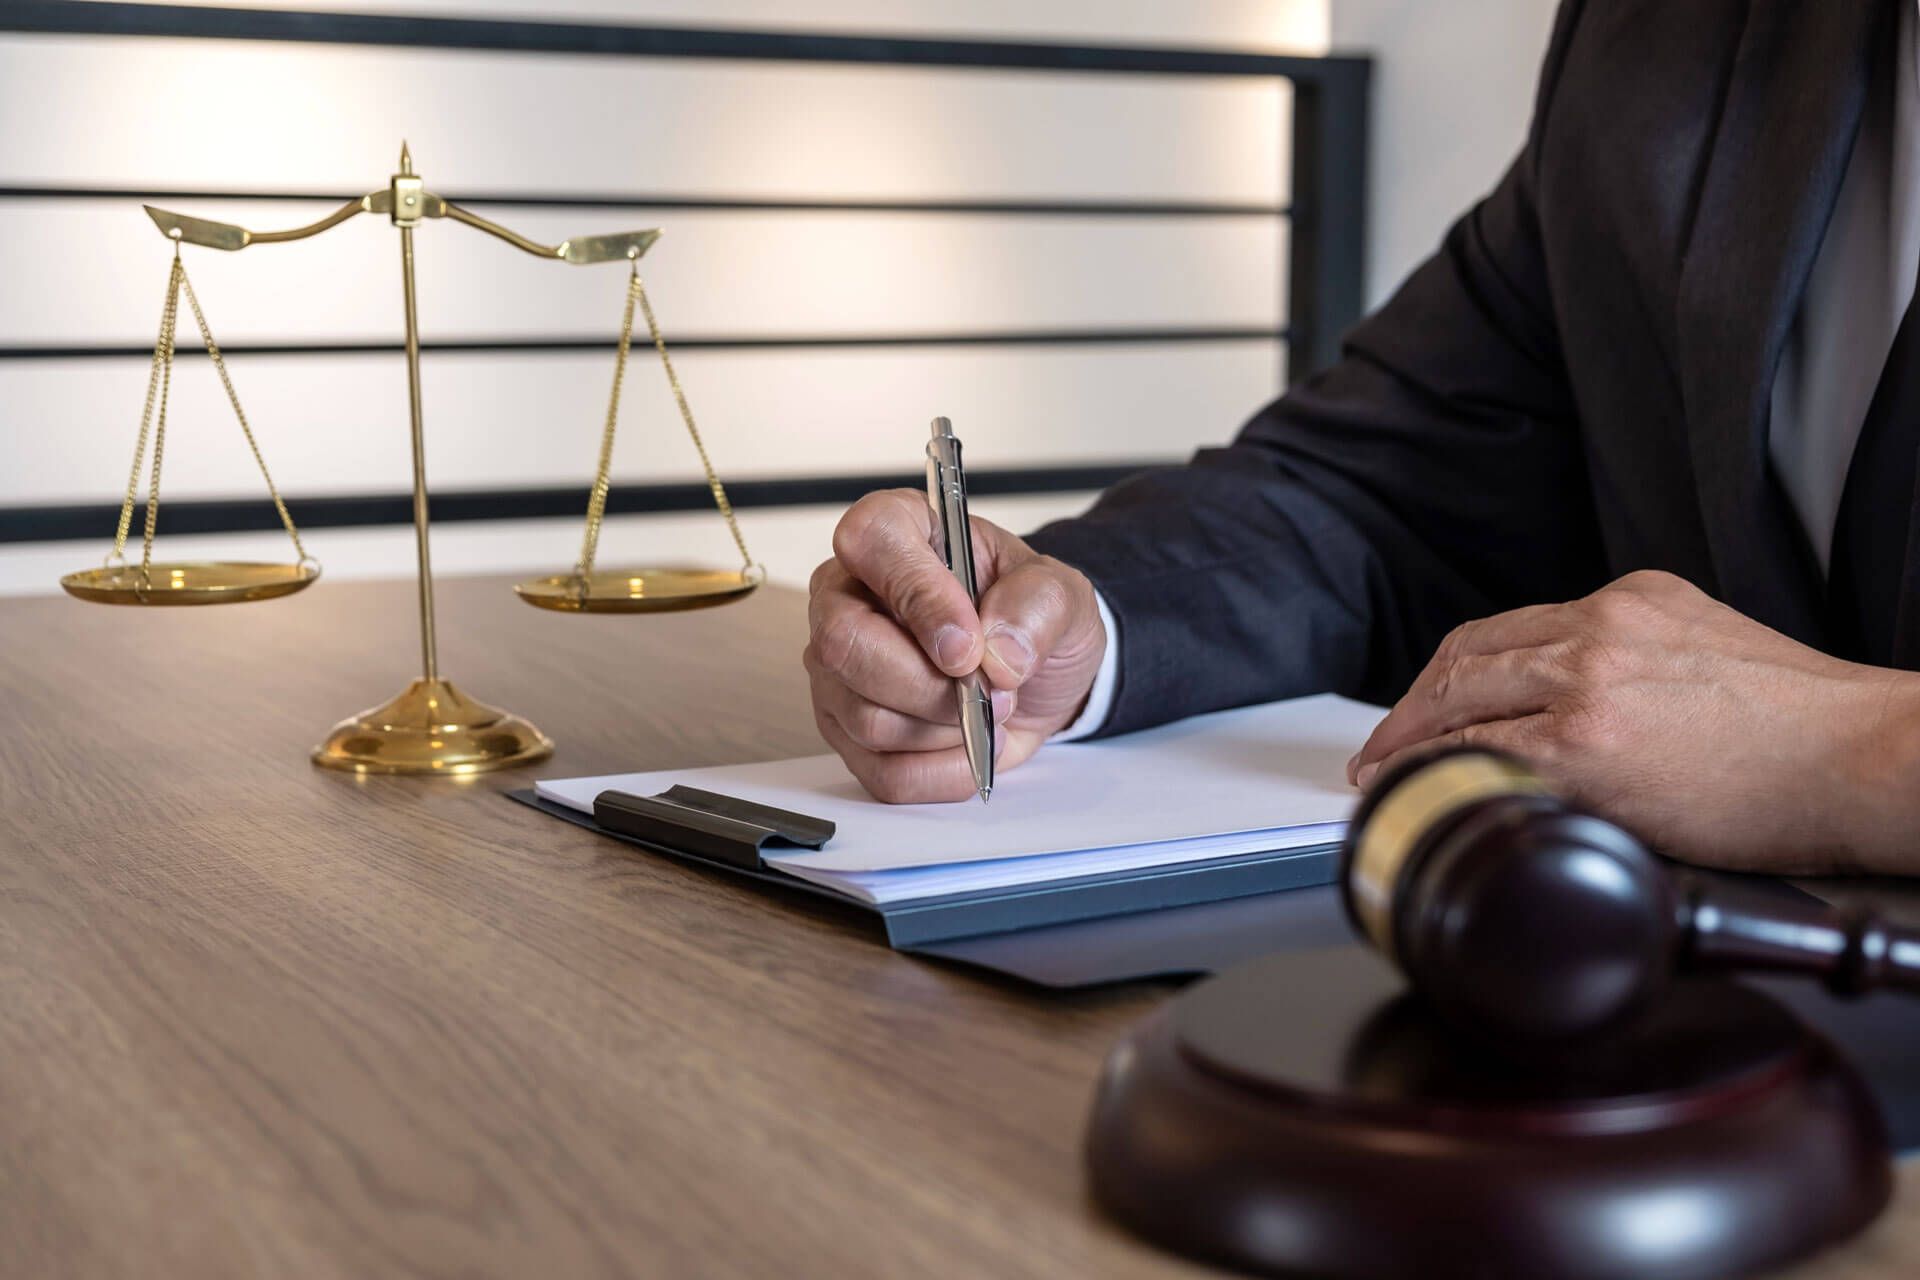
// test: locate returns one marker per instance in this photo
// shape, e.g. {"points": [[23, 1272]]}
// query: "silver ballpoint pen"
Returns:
{"points": [[953, 542]]}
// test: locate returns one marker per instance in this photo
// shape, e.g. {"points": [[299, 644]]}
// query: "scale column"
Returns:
{"points": [[431, 727], [408, 196]]}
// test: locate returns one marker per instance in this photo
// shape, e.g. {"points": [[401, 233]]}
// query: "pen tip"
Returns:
{"points": [[986, 793]]}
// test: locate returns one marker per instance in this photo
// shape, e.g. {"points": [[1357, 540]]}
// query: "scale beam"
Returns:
{"points": [[579, 250], [228, 236]]}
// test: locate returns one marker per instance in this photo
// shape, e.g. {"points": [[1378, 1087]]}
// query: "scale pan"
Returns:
{"points": [[191, 582], [638, 590]]}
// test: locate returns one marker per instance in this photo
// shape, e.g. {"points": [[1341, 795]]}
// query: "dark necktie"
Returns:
{"points": [[1867, 573]]}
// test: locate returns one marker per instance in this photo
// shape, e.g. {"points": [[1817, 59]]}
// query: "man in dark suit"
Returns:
{"points": [[1621, 479]]}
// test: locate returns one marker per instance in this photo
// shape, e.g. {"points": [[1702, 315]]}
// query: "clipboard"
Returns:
{"points": [[731, 835]]}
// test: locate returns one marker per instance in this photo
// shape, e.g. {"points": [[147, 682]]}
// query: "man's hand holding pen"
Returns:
{"points": [[890, 628]]}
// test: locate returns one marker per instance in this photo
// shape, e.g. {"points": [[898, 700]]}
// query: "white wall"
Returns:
{"points": [[1453, 90], [172, 113]]}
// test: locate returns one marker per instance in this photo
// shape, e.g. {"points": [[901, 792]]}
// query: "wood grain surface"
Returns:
{"points": [[257, 1019]]}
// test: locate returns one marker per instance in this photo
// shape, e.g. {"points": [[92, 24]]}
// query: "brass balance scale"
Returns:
{"points": [[431, 727]]}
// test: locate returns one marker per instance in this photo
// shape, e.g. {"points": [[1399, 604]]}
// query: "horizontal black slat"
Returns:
{"points": [[85, 17], [610, 200], [530, 346], [227, 515]]}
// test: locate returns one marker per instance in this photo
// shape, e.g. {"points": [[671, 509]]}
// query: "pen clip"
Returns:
{"points": [[936, 484], [947, 496]]}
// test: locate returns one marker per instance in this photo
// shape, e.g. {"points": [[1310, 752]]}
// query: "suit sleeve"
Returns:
{"points": [[1433, 475]]}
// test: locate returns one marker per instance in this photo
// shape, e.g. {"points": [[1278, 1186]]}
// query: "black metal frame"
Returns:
{"points": [[237, 515], [1324, 279]]}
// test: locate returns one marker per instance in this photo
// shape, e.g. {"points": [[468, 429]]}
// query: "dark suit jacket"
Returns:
{"points": [[1575, 386]]}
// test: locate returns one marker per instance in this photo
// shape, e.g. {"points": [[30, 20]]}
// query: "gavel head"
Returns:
{"points": [[1511, 912]]}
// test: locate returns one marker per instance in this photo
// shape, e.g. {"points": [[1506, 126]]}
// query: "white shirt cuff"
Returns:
{"points": [[1100, 697]]}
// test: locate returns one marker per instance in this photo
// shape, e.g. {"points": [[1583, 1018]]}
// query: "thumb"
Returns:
{"points": [[1031, 612]]}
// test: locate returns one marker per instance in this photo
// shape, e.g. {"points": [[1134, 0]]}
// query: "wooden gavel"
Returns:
{"points": [[1515, 914]]}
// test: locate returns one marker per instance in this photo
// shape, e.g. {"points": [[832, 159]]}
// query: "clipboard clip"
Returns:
{"points": [[705, 824]]}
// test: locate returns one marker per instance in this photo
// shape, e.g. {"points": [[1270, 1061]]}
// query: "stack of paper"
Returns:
{"points": [[1254, 780]]}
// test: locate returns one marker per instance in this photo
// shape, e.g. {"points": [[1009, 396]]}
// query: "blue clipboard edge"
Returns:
{"points": [[929, 921]]}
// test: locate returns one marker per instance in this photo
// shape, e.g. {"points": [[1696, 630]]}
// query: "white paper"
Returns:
{"points": [[1210, 786]]}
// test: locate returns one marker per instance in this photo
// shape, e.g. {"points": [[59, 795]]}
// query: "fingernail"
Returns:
{"points": [[1002, 705], [1013, 650], [1353, 762], [1365, 776], [951, 645]]}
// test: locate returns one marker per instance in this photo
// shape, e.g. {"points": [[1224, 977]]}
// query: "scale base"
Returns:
{"points": [[431, 728], [1301, 1115]]}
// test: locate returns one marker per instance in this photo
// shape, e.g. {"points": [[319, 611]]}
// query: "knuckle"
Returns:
{"points": [[890, 779], [851, 533], [914, 595], [1586, 727], [835, 644], [1500, 736], [1562, 661], [823, 573], [1452, 645], [1446, 674], [1649, 581], [866, 723], [824, 693], [1537, 748], [1474, 735], [830, 731], [1616, 607], [1591, 662], [867, 523]]}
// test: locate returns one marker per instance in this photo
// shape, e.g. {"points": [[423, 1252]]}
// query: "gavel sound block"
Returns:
{"points": [[1307, 1114], [1302, 1115]]}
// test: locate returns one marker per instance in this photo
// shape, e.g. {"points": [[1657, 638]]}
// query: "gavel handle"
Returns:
{"points": [[1853, 952]]}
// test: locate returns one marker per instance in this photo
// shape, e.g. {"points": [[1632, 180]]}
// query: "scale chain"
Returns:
{"points": [[168, 330], [162, 351], [233, 398], [159, 389], [597, 502], [686, 415]]}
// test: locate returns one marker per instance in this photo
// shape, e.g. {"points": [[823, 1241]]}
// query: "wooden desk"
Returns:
{"points": [[259, 1019]]}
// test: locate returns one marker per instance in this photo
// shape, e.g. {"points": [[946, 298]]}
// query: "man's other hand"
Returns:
{"points": [[1715, 738], [890, 627]]}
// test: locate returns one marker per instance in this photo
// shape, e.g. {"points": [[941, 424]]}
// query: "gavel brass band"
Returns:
{"points": [[1412, 810]]}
